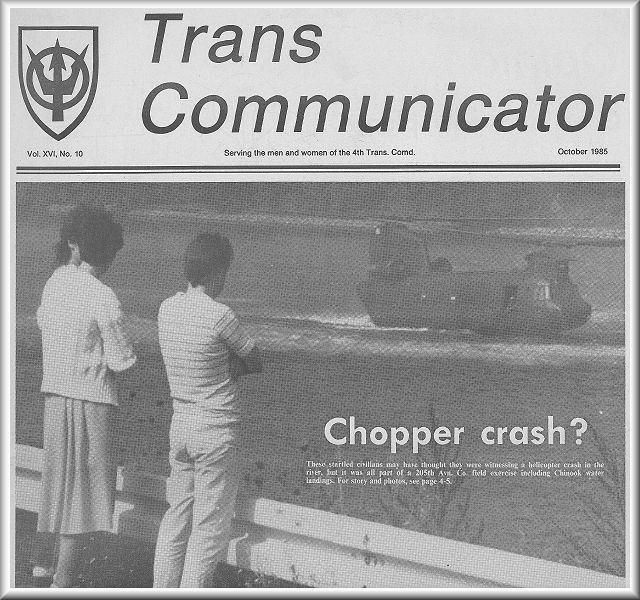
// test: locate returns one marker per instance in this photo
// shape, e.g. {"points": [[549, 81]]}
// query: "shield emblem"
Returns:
{"points": [[58, 70]]}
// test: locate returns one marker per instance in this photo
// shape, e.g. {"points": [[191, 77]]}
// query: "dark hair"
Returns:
{"points": [[206, 255], [92, 228]]}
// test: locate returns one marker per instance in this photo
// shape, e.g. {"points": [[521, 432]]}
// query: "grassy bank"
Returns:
{"points": [[566, 520]]}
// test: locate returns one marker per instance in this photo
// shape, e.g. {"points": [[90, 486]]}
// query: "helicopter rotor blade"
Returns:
{"points": [[543, 231]]}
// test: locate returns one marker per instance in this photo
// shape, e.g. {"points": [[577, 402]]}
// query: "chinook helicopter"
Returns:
{"points": [[405, 288]]}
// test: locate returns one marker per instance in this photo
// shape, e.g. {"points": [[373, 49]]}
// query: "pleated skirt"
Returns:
{"points": [[79, 471]]}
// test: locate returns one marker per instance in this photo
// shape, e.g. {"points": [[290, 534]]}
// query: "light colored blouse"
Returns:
{"points": [[83, 339]]}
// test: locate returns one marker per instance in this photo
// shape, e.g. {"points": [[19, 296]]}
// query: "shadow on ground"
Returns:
{"points": [[117, 561]]}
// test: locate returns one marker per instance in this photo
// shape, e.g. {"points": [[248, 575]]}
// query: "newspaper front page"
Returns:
{"points": [[417, 214]]}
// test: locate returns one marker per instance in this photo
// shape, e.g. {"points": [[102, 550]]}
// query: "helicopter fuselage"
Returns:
{"points": [[406, 288], [487, 302]]}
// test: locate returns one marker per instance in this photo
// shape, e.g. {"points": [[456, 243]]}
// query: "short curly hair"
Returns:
{"points": [[206, 255], [92, 228]]}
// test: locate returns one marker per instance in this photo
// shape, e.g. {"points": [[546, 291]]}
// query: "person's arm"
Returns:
{"points": [[240, 366], [253, 361], [118, 350], [41, 315], [245, 357]]}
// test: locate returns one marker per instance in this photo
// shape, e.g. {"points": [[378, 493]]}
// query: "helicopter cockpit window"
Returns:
{"points": [[542, 292]]}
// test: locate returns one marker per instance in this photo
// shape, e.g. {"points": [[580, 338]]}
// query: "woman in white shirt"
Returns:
{"points": [[83, 344]]}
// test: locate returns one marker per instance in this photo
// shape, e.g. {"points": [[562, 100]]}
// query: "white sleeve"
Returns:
{"points": [[41, 312], [118, 350], [234, 335]]}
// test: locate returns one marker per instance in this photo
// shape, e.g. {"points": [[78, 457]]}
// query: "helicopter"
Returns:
{"points": [[405, 288]]}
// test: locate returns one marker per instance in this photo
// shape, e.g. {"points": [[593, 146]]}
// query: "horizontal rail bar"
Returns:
{"points": [[322, 549]]}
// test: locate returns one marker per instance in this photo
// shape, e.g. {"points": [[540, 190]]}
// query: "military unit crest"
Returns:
{"points": [[58, 71]]}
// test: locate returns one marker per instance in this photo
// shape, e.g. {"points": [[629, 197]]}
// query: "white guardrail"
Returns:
{"points": [[322, 549]]}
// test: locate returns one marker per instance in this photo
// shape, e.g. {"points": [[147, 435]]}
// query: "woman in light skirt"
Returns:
{"points": [[83, 344]]}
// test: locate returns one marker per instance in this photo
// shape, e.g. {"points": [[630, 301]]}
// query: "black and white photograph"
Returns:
{"points": [[397, 325], [318, 297]]}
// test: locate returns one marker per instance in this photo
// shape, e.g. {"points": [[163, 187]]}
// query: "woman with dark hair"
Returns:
{"points": [[83, 344]]}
